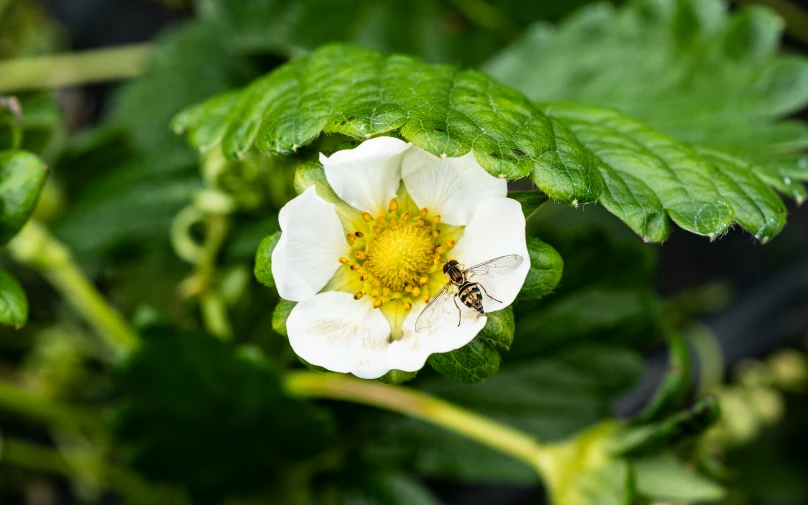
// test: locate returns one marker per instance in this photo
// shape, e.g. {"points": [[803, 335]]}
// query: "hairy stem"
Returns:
{"points": [[405, 401], [36, 248], [73, 68]]}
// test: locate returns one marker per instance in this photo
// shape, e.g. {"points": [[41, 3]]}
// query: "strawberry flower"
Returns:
{"points": [[363, 265]]}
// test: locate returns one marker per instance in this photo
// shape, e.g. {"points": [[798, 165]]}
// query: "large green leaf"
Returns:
{"points": [[13, 303], [22, 176], [574, 153], [551, 397], [361, 93], [239, 431], [687, 68]]}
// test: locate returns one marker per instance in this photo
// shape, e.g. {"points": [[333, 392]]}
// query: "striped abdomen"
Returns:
{"points": [[471, 296]]}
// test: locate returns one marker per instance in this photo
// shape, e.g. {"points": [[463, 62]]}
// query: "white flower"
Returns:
{"points": [[362, 270]]}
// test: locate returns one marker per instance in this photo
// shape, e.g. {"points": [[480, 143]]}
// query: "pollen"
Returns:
{"points": [[399, 256], [367, 217]]}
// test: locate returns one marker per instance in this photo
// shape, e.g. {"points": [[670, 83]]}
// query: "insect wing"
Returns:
{"points": [[496, 267], [434, 310]]}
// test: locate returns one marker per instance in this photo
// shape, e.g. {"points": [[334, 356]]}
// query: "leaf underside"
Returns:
{"points": [[574, 153]]}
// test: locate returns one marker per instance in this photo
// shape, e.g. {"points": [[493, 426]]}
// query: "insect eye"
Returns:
{"points": [[445, 268]]}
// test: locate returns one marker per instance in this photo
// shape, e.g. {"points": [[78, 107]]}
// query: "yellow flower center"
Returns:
{"points": [[401, 255], [396, 258]]}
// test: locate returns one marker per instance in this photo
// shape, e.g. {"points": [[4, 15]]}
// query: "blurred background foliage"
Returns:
{"points": [[169, 237]]}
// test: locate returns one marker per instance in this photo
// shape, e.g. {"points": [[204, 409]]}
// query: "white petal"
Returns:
{"points": [[409, 353], [451, 187], [307, 254], [334, 331], [367, 177], [497, 229]]}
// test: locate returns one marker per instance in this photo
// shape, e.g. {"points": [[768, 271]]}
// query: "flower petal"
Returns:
{"points": [[311, 243], [497, 229], [453, 187], [334, 331], [409, 353], [367, 177]]}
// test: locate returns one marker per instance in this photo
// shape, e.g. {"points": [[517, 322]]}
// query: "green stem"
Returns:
{"points": [[52, 413], [73, 68], [405, 401], [36, 248], [84, 466], [214, 310]]}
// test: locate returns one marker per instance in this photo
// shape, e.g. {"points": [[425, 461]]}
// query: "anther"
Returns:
{"points": [[405, 215], [377, 230], [422, 281], [362, 255], [386, 291], [367, 217], [426, 299], [436, 234], [380, 220], [364, 277], [358, 295], [359, 234], [438, 250], [420, 222], [408, 288], [393, 204], [394, 222], [351, 237], [436, 219], [423, 212], [407, 306], [416, 291], [377, 282], [374, 293], [343, 260], [450, 243], [377, 304], [355, 267]]}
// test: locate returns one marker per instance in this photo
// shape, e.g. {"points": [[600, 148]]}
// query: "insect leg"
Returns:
{"points": [[459, 312], [486, 293]]}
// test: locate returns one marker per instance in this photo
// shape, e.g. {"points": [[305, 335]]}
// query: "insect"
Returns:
{"points": [[460, 287]]}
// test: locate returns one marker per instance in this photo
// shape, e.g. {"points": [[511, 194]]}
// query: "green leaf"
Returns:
{"points": [[499, 328], [280, 315], [695, 72], [263, 259], [240, 431], [369, 94], [675, 386], [545, 271], [551, 397], [13, 303], [472, 363], [10, 123], [665, 478], [529, 200], [607, 315], [22, 176], [386, 488]]}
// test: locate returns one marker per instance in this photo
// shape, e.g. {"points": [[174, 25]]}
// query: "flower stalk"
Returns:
{"points": [[36, 248], [499, 437]]}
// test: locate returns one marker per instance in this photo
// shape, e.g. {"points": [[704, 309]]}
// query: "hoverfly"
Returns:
{"points": [[459, 286]]}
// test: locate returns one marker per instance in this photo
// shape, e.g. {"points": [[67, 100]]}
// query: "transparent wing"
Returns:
{"points": [[495, 267], [434, 310]]}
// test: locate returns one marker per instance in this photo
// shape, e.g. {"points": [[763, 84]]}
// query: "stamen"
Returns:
{"points": [[438, 250], [351, 237], [426, 299], [343, 260], [380, 220], [405, 215], [450, 243], [393, 204], [420, 222], [435, 233], [358, 295], [422, 281], [423, 212], [367, 217], [386, 291], [359, 234], [377, 230], [416, 291], [377, 304], [377, 282], [355, 267], [408, 288], [394, 222], [436, 219], [374, 293], [365, 276], [361, 255], [407, 306]]}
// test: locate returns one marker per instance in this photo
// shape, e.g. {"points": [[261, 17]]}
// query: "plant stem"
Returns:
{"points": [[84, 466], [36, 248], [405, 401], [73, 68], [39, 409]]}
